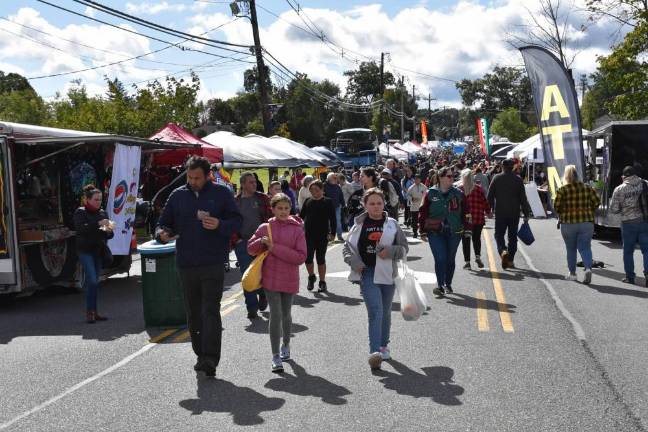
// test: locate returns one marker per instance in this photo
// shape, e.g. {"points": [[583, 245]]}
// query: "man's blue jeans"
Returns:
{"points": [[444, 247], [578, 236], [92, 270], [244, 259], [633, 233], [338, 222], [378, 300]]}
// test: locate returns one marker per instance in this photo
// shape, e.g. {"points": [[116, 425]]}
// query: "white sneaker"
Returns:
{"points": [[277, 366], [285, 353], [385, 353], [375, 359], [570, 277], [588, 277]]}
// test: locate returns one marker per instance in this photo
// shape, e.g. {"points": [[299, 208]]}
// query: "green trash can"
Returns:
{"points": [[161, 288]]}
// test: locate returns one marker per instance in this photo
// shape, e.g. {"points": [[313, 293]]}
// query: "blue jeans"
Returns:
{"points": [[633, 233], [578, 236], [378, 300], [244, 259], [502, 225], [338, 221], [444, 247], [92, 270]]}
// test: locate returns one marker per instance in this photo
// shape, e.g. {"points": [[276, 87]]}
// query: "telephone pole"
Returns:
{"points": [[261, 71], [402, 106], [381, 118], [413, 114]]}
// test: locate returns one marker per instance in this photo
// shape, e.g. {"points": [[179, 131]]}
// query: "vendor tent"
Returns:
{"points": [[530, 149], [299, 150], [331, 158], [392, 152], [237, 151], [280, 155], [411, 147], [175, 134]]}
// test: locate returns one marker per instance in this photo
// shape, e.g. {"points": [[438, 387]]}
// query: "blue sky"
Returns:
{"points": [[431, 43]]}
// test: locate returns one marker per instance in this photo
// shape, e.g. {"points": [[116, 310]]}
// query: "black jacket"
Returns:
{"points": [[89, 238], [507, 196]]}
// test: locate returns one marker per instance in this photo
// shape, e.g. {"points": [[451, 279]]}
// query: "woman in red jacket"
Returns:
{"points": [[280, 275], [476, 207]]}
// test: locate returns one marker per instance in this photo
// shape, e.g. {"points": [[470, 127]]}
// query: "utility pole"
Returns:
{"points": [[381, 118], [402, 88], [583, 86], [413, 114], [261, 71]]}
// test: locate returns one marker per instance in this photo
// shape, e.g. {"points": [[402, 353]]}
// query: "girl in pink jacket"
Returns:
{"points": [[280, 274]]}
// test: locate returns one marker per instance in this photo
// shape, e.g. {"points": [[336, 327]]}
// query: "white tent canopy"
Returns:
{"points": [[525, 150], [298, 150], [393, 152], [410, 147]]}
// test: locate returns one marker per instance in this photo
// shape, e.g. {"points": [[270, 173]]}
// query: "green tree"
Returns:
{"points": [[23, 106], [508, 124], [220, 111], [363, 84], [250, 80]]}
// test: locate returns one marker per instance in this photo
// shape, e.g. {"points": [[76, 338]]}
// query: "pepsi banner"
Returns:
{"points": [[122, 198], [556, 105]]}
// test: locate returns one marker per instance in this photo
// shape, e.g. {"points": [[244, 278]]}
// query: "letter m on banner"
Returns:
{"points": [[556, 105]]}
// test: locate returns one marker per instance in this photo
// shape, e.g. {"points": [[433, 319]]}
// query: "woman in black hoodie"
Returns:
{"points": [[93, 228]]}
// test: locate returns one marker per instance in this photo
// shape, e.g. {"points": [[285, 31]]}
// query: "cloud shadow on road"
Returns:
{"points": [[436, 383], [457, 299], [244, 404], [260, 326], [303, 384]]}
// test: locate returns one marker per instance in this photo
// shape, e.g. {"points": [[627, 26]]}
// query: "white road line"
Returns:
{"points": [[578, 329], [77, 386]]}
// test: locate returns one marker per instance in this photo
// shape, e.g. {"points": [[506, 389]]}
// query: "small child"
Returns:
{"points": [[280, 275]]}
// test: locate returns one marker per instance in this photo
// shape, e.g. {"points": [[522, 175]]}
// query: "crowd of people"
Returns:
{"points": [[444, 199]]}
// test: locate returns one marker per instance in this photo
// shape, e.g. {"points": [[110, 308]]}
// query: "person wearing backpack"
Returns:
{"points": [[575, 204], [441, 218], [630, 200]]}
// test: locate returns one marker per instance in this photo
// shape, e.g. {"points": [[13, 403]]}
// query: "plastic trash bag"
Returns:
{"points": [[525, 234], [412, 298]]}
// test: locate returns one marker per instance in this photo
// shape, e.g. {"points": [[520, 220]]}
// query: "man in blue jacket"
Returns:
{"points": [[203, 215]]}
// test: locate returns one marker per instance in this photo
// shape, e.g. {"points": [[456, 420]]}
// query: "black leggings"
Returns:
{"points": [[316, 248], [476, 241]]}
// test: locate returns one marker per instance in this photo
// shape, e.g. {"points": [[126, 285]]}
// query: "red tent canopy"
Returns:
{"points": [[175, 134]]}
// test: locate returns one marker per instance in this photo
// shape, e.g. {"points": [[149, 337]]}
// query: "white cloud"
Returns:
{"points": [[154, 8]]}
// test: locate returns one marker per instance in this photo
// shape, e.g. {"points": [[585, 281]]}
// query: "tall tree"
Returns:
{"points": [[363, 84], [508, 124]]}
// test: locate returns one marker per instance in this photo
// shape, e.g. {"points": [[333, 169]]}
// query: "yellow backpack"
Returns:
{"points": [[251, 280]]}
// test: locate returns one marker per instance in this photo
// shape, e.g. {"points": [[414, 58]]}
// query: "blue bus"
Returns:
{"points": [[356, 147]]}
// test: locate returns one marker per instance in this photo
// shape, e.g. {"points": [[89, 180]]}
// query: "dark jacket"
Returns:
{"points": [[196, 245], [449, 209], [89, 238], [334, 192], [507, 196]]}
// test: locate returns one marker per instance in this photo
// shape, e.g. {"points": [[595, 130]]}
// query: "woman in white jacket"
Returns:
{"points": [[373, 247]]}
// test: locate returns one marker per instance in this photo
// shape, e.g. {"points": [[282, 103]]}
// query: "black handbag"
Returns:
{"points": [[106, 256]]}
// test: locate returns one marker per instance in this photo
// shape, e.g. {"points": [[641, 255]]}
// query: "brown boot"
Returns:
{"points": [[90, 317], [99, 317]]}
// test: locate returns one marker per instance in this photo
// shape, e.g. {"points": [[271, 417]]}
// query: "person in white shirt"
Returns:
{"points": [[304, 193], [415, 195]]}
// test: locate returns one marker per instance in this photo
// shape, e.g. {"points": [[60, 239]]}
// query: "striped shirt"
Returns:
{"points": [[576, 203]]}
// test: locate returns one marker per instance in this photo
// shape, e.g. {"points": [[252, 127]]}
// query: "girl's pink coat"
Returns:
{"points": [[281, 266]]}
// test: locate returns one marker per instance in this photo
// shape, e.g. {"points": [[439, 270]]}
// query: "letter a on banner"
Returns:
{"points": [[556, 105]]}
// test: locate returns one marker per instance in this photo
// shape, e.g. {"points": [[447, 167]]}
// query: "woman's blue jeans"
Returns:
{"points": [[378, 300], [444, 247], [92, 270], [578, 237]]}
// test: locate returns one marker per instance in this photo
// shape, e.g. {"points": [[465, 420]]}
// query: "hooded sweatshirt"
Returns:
{"points": [[281, 267], [625, 199]]}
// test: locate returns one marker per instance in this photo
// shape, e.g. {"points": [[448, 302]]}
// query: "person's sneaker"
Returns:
{"points": [[322, 286], [438, 291], [375, 359], [415, 235], [479, 262], [448, 289], [628, 280], [277, 365], [467, 265], [385, 353], [570, 277], [252, 315], [511, 265], [263, 303], [285, 353], [199, 364], [207, 366], [588, 277], [311, 283], [505, 262]]}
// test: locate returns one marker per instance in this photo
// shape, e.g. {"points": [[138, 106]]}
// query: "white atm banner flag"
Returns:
{"points": [[122, 198]]}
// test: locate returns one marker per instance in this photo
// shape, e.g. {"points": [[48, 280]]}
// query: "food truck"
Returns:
{"points": [[42, 174], [609, 149]]}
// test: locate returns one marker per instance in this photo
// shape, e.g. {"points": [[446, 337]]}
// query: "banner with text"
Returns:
{"points": [[556, 105], [122, 198], [484, 135]]}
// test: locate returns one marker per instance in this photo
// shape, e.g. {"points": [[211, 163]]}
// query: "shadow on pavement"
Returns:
{"points": [[413, 258], [305, 302], [244, 404], [336, 298], [436, 383], [517, 276], [260, 326], [457, 299], [532, 274], [607, 289], [303, 384]]}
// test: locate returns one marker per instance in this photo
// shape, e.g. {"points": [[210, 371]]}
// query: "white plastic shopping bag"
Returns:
{"points": [[412, 298]]}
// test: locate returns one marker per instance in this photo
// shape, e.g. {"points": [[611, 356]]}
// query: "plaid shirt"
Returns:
{"points": [[477, 205], [576, 203]]}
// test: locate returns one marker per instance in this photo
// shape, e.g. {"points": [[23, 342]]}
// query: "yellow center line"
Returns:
{"points": [[231, 299], [482, 312], [185, 334], [505, 315], [162, 335]]}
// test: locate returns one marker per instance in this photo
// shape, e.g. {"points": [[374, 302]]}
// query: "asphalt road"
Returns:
{"points": [[518, 350]]}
